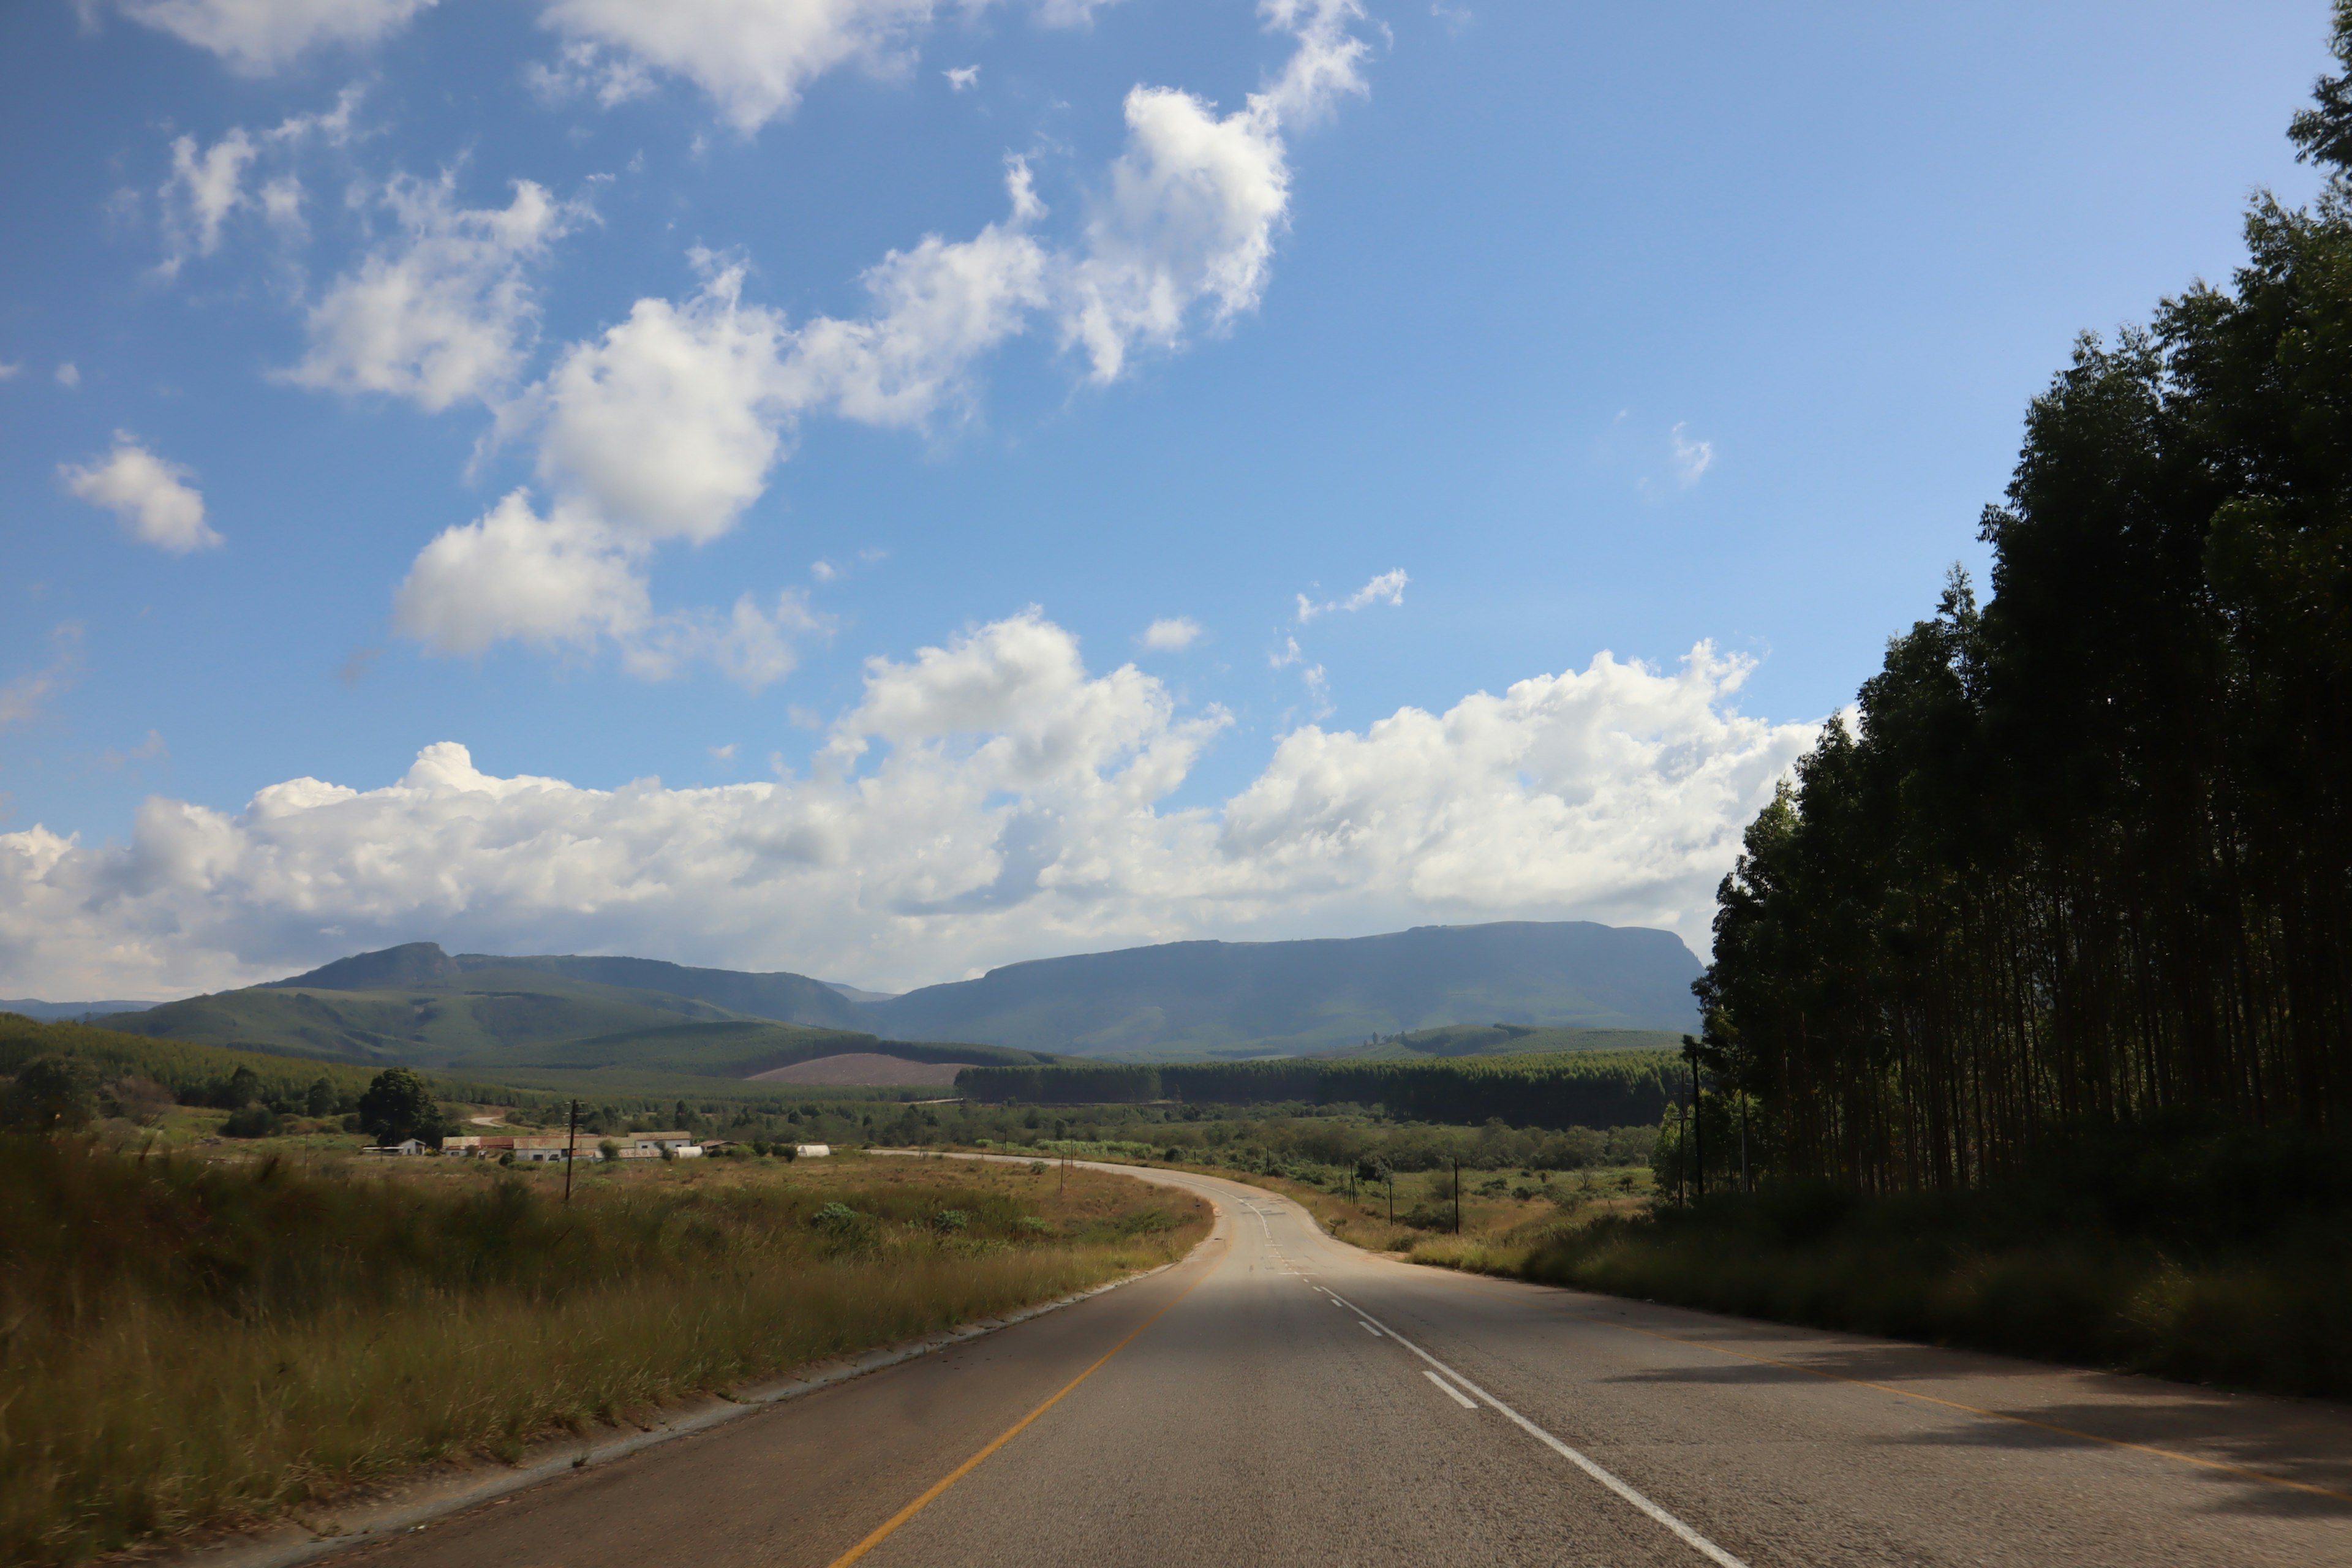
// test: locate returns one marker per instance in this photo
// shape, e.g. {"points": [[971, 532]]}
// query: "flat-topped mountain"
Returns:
{"points": [[418, 1005], [1196, 999]]}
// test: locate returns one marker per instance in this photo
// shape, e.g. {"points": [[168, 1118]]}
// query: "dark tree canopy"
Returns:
{"points": [[53, 1093], [2088, 854], [400, 1105]]}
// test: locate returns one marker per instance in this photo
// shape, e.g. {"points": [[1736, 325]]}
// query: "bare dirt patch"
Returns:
{"points": [[863, 1067]]}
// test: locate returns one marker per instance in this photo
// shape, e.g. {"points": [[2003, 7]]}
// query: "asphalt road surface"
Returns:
{"points": [[1281, 1398]]}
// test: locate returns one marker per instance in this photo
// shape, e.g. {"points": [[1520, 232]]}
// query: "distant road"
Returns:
{"points": [[1284, 1399]]}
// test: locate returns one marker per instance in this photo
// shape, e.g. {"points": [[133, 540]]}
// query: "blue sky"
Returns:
{"points": [[1614, 331]]}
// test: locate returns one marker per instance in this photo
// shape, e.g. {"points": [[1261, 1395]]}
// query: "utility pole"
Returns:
{"points": [[570, 1145], [1457, 1197]]}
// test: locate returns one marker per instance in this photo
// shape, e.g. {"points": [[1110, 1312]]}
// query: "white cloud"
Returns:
{"points": [[567, 582], [8, 372], [445, 311], [22, 699], [752, 56], [1387, 588], [207, 184], [725, 753], [985, 801], [203, 190], [151, 496], [512, 573], [1692, 457], [1173, 634], [667, 426], [256, 36], [962, 77], [68, 374]]}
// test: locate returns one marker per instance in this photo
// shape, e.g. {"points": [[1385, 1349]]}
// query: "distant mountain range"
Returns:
{"points": [[1432, 991], [1227, 999]]}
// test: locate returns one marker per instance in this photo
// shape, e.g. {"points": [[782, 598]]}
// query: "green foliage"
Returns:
{"points": [[250, 1121], [400, 1105], [53, 1093], [1588, 1089], [1504, 1039], [2202, 1252], [2088, 858], [199, 1072]]}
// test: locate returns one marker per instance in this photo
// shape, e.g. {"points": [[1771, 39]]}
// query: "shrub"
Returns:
{"points": [[250, 1121], [52, 1093]]}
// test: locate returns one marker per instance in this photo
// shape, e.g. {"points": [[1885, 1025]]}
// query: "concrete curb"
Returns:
{"points": [[424, 1498]]}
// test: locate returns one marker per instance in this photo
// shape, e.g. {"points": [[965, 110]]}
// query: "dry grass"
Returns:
{"points": [[188, 1345]]}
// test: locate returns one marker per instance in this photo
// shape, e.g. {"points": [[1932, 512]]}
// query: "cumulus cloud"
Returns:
{"points": [[68, 374], [256, 37], [962, 77], [753, 57], [667, 426], [985, 800], [150, 496], [444, 312], [1196, 200], [1173, 634], [1388, 588]]}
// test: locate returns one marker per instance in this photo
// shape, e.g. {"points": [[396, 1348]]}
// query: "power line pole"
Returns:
{"points": [[570, 1147]]}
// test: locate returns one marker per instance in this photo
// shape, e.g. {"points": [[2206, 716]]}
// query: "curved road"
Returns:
{"points": [[1281, 1398]]}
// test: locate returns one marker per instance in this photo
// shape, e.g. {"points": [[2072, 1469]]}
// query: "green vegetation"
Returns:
{"points": [[1227, 1001], [181, 1069], [1591, 1089], [1502, 1040], [2032, 997], [195, 1343], [2210, 1254], [2085, 860]]}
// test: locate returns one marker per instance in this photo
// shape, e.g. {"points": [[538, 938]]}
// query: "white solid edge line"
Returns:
{"points": [[1451, 1393], [1690, 1537], [1368, 1328]]}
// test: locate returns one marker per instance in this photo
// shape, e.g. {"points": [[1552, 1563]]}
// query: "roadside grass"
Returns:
{"points": [[188, 1344], [2205, 1256]]}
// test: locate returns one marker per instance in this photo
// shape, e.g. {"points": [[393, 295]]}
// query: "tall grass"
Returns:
{"points": [[2208, 1255], [186, 1345]]}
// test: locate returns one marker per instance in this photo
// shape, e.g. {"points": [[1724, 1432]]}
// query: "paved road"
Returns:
{"points": [[1283, 1399]]}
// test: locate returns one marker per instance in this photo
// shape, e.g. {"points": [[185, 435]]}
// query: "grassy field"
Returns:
{"points": [[192, 1342]]}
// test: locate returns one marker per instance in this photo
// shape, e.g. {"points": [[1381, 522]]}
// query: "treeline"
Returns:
{"points": [[1591, 1089], [2087, 858]]}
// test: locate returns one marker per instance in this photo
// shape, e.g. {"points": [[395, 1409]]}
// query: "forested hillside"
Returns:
{"points": [[1579, 1089], [2089, 856]]}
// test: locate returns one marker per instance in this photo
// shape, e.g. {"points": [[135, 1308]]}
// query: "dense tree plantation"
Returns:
{"points": [[2087, 857], [1596, 1088]]}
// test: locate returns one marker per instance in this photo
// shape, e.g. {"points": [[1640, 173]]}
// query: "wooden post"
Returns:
{"points": [[570, 1147]]}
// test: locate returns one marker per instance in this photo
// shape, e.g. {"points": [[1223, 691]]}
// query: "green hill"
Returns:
{"points": [[485, 1015], [1502, 1039], [1221, 1000]]}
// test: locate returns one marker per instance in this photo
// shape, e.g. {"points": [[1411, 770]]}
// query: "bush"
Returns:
{"points": [[53, 1093], [250, 1121]]}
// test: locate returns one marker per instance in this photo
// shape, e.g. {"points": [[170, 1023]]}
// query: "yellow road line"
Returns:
{"points": [[889, 1526], [2174, 1453]]}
